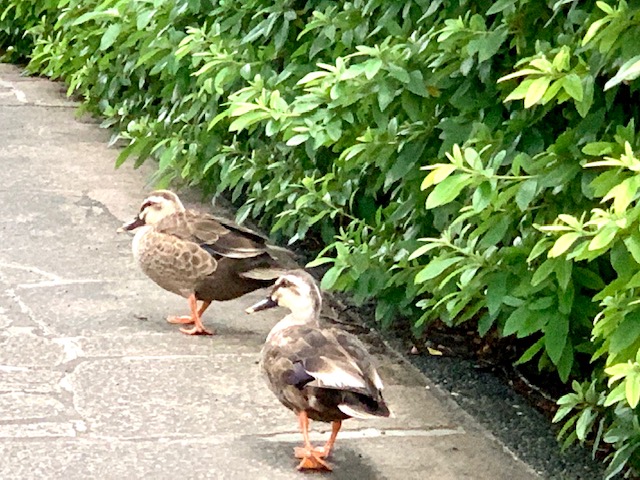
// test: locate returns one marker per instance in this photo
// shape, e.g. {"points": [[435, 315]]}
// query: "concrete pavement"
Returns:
{"points": [[95, 384]]}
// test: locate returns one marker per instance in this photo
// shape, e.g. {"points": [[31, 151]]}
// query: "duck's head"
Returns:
{"points": [[158, 205], [295, 290]]}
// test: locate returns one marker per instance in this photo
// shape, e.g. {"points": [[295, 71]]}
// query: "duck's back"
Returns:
{"points": [[326, 372]]}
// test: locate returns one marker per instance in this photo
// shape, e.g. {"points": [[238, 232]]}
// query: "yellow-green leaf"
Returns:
{"points": [[437, 175], [536, 91], [520, 73], [632, 390], [603, 238], [563, 243]]}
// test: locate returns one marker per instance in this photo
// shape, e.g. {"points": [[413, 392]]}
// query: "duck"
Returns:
{"points": [[201, 257], [321, 374]]}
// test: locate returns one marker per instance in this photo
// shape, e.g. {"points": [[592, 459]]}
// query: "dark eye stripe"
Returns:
{"points": [[147, 204]]}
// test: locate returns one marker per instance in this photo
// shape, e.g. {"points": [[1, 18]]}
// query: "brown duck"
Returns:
{"points": [[322, 374], [198, 256]]}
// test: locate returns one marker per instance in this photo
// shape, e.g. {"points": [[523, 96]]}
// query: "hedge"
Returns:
{"points": [[463, 161]]}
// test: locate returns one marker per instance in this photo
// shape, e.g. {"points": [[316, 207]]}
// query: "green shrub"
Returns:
{"points": [[463, 161]]}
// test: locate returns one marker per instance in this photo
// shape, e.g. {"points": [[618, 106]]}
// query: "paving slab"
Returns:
{"points": [[95, 384]]}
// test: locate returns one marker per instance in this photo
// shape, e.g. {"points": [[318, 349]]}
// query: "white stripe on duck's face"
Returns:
{"points": [[159, 205]]}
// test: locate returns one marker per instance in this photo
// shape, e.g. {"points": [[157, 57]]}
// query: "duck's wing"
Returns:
{"points": [[319, 358], [213, 234], [360, 355], [336, 360]]}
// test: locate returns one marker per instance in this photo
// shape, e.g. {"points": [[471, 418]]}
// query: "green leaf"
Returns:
{"points": [[526, 193], [399, 73], [491, 43], [620, 459], [534, 323], [97, 16], [320, 261], [538, 249], [144, 18], [605, 7], [499, 6], [598, 149], [555, 337], [485, 323], [372, 67], [516, 321], [247, 120], [110, 36], [405, 162], [447, 190], [543, 271], [329, 279], [616, 395], [632, 242], [531, 352], [625, 334], [593, 30], [630, 70], [297, 139], [585, 423], [566, 361], [417, 84], [536, 91], [482, 196], [386, 94], [496, 291], [584, 106], [435, 268], [573, 86], [423, 249]]}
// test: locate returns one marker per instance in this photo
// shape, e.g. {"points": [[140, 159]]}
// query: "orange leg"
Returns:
{"points": [[188, 319], [335, 428], [312, 459], [198, 328]]}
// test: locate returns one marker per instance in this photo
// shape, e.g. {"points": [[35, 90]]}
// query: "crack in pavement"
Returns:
{"points": [[26, 310]]}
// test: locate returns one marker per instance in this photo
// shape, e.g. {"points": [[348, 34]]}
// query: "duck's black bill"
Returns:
{"points": [[262, 305], [132, 225]]}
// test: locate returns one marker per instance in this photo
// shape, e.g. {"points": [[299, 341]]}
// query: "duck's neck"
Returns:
{"points": [[308, 317]]}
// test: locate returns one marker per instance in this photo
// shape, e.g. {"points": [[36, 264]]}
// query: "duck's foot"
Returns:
{"points": [[312, 459], [181, 319], [196, 330]]}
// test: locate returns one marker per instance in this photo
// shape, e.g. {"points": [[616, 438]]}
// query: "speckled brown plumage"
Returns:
{"points": [[198, 256]]}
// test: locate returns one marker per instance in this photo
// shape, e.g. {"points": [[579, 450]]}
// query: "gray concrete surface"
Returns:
{"points": [[95, 384]]}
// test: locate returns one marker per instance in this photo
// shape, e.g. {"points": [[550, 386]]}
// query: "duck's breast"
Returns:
{"points": [[174, 264]]}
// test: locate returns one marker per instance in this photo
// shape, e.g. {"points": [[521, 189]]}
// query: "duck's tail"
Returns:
{"points": [[359, 405]]}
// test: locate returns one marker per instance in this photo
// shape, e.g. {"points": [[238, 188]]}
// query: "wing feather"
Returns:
{"points": [[217, 236]]}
